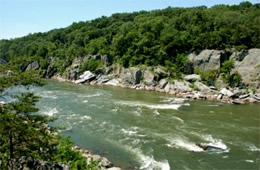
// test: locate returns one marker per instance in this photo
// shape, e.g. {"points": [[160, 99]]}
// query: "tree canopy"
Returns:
{"points": [[146, 37]]}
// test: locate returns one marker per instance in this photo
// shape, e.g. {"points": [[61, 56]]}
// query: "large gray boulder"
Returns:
{"points": [[202, 87], [162, 83], [131, 76], [226, 92], [247, 64], [148, 78], [208, 59], [180, 86], [86, 76], [192, 77]]}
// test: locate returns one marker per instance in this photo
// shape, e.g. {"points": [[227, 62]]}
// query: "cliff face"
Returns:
{"points": [[247, 63]]}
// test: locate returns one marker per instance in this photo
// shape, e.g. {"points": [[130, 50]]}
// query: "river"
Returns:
{"points": [[150, 130]]}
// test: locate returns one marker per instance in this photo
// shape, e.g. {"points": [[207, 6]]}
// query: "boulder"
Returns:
{"points": [[86, 76], [244, 96], [148, 78], [192, 78], [181, 86], [202, 87], [162, 83], [206, 59], [105, 163], [113, 82], [29, 163], [247, 64], [131, 76], [226, 92]]}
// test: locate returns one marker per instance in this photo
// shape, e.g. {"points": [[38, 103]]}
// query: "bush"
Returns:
{"points": [[74, 158], [90, 65], [209, 77]]}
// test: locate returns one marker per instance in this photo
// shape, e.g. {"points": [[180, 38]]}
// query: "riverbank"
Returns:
{"points": [[177, 88]]}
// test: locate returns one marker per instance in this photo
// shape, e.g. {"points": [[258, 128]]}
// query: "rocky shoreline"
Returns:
{"points": [[178, 88], [191, 86]]}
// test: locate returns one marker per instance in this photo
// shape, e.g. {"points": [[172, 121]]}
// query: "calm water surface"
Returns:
{"points": [[151, 130]]}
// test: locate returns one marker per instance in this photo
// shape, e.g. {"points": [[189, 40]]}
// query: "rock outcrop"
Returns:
{"points": [[34, 65], [86, 76], [247, 64], [29, 163]]}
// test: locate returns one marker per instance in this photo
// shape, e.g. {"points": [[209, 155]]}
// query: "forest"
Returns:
{"points": [[158, 37]]}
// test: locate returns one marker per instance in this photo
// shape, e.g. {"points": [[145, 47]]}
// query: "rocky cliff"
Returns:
{"points": [[246, 63]]}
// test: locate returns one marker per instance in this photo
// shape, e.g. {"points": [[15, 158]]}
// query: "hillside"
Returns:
{"points": [[146, 37]]}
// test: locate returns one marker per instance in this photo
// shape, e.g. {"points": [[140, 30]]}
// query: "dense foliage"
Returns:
{"points": [[151, 38]]}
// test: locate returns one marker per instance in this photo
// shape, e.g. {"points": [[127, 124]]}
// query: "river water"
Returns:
{"points": [[149, 130]]}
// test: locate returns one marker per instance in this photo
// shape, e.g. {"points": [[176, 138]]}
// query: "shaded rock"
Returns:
{"points": [[206, 59], [238, 102], [148, 78], [182, 86], [86, 76], [256, 97], [226, 92], [33, 66], [192, 78], [244, 96], [201, 86], [131, 76], [105, 163], [220, 96], [238, 92], [162, 83], [29, 163], [113, 82], [247, 64]]}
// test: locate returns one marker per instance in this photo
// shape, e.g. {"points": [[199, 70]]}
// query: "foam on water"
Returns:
{"points": [[85, 117], [85, 101], [148, 162], [50, 112], [128, 132], [151, 106], [177, 118], [249, 161], [253, 148], [215, 142], [156, 112], [89, 95], [184, 144]]}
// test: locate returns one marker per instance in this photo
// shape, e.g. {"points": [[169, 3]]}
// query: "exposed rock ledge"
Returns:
{"points": [[179, 88], [247, 64]]}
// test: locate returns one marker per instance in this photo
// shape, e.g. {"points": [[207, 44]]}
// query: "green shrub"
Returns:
{"points": [[90, 65], [72, 157], [227, 66], [209, 76]]}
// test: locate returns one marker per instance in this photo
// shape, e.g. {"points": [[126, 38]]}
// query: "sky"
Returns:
{"points": [[21, 17]]}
